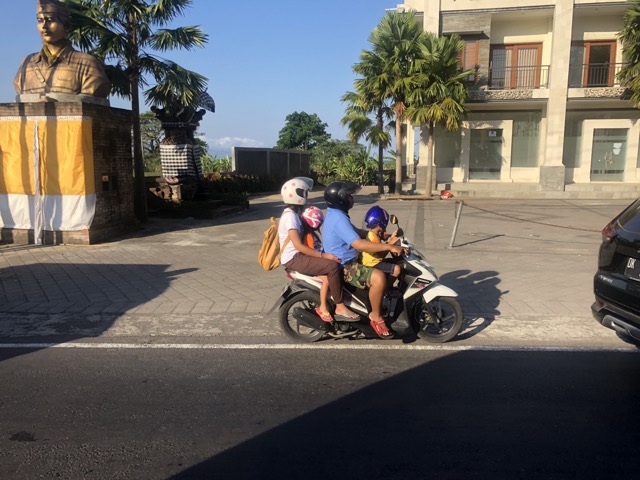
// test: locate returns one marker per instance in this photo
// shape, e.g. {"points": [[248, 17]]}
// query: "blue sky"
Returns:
{"points": [[264, 60]]}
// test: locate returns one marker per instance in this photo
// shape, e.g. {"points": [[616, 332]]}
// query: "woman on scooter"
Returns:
{"points": [[295, 255]]}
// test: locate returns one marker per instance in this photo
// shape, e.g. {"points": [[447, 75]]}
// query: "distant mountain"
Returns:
{"points": [[220, 152]]}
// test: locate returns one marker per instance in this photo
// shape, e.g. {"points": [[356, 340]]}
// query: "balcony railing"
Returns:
{"points": [[594, 75], [519, 78]]}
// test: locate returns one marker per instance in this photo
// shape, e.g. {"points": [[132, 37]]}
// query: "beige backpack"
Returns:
{"points": [[269, 254]]}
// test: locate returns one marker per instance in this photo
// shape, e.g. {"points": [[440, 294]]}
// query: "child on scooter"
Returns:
{"points": [[376, 221], [312, 219]]}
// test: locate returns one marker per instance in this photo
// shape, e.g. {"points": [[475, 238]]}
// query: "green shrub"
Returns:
{"points": [[345, 161], [213, 164], [216, 183]]}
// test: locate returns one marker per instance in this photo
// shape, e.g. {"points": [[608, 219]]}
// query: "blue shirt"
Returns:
{"points": [[338, 234]]}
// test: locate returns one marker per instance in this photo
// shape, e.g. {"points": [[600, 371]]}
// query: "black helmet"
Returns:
{"points": [[337, 194]]}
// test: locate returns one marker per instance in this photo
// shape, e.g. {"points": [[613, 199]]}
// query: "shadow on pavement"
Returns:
{"points": [[490, 237], [479, 296], [498, 415], [62, 302]]}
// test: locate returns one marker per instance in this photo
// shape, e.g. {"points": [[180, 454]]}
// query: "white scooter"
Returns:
{"points": [[418, 305]]}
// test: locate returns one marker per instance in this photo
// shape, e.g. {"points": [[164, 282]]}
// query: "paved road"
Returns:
{"points": [[523, 269], [259, 413]]}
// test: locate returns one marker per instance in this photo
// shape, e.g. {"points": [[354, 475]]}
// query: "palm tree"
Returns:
{"points": [[629, 75], [440, 93], [369, 100], [128, 32], [397, 41]]}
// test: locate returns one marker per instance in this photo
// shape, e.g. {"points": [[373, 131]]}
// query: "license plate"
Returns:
{"points": [[632, 270]]}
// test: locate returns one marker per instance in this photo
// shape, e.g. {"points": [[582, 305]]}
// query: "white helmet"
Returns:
{"points": [[307, 180], [294, 192]]}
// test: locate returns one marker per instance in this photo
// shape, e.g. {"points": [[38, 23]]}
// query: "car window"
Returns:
{"points": [[630, 218]]}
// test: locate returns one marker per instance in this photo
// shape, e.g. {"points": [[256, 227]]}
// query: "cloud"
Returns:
{"points": [[228, 142]]}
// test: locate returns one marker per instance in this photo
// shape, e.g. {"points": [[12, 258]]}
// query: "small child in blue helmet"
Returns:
{"points": [[376, 221]]}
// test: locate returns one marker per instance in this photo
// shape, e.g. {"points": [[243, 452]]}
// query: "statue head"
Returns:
{"points": [[53, 20], [70, 73]]}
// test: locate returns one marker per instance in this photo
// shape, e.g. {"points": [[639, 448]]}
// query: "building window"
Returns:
{"points": [[609, 154], [525, 140], [592, 64], [448, 146], [469, 57], [485, 154], [515, 66]]}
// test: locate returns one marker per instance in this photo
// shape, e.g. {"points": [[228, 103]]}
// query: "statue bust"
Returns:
{"points": [[58, 71]]}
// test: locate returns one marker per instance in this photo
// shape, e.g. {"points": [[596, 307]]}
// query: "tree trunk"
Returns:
{"points": [[380, 124], [429, 187], [398, 156], [140, 194]]}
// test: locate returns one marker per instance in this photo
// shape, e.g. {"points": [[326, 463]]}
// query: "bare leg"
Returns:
{"points": [[376, 292], [393, 277], [324, 293]]}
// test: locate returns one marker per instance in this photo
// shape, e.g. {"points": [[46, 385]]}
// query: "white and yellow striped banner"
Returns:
{"points": [[47, 171]]}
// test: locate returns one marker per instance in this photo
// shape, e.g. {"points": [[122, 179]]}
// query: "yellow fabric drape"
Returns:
{"points": [[66, 157]]}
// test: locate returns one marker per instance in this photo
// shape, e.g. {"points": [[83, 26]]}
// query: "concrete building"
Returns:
{"points": [[548, 115]]}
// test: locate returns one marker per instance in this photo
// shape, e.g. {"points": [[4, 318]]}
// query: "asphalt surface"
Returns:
{"points": [[523, 270], [105, 414]]}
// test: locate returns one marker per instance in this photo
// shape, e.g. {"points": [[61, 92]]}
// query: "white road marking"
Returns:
{"points": [[237, 346]]}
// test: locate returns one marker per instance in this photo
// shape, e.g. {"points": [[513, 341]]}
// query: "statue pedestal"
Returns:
{"points": [[66, 173]]}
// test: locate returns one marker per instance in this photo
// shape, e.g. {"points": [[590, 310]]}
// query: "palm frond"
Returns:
{"points": [[178, 38]]}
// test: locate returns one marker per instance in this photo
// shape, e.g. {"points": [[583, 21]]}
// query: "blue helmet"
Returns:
{"points": [[376, 216]]}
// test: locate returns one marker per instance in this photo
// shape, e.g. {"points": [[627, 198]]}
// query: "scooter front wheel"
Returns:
{"points": [[289, 323], [439, 320]]}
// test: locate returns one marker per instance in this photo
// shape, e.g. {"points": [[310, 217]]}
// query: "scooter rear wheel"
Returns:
{"points": [[440, 320], [290, 325]]}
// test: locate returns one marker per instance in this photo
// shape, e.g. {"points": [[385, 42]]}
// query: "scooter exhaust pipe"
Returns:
{"points": [[309, 319]]}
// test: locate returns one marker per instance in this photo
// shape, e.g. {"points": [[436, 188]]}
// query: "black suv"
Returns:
{"points": [[617, 283]]}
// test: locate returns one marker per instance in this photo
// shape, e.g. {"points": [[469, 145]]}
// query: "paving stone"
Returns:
{"points": [[510, 258]]}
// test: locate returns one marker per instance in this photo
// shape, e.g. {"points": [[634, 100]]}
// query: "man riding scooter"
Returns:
{"points": [[342, 239]]}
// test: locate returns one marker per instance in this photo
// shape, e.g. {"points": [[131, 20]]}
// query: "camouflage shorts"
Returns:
{"points": [[358, 275]]}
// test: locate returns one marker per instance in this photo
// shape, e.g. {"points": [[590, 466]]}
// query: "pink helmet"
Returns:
{"points": [[313, 216]]}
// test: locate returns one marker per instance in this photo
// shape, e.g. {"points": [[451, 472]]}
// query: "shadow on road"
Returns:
{"points": [[498, 415]]}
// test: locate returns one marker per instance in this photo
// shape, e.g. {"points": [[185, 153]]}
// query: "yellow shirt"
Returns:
{"points": [[373, 259]]}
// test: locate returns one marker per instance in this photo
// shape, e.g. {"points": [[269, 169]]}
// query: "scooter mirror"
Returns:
{"points": [[393, 219]]}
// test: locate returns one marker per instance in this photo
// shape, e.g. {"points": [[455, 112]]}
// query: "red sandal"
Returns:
{"points": [[381, 329], [325, 316]]}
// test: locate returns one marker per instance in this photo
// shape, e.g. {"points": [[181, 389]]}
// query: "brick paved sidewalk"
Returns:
{"points": [[511, 259]]}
